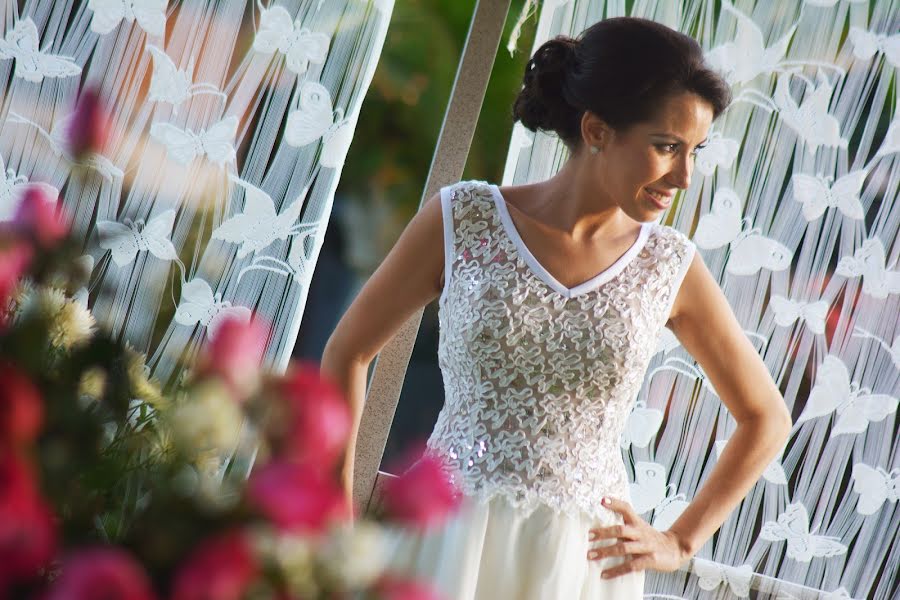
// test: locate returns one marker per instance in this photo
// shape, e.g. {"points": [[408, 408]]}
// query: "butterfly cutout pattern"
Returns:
{"points": [[817, 194], [787, 312], [316, 118], [719, 151], [792, 526], [868, 261], [183, 145], [867, 44], [13, 187], [875, 487], [650, 492], [33, 64], [810, 119], [278, 32], [750, 250], [173, 85], [126, 240], [149, 14], [642, 424], [199, 305], [712, 574], [855, 406]]}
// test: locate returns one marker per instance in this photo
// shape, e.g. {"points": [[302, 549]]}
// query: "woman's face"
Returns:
{"points": [[642, 167]]}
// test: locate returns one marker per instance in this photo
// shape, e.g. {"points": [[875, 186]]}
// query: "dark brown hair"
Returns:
{"points": [[619, 69]]}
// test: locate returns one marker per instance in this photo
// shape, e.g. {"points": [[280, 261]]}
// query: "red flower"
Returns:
{"points": [[27, 530], [101, 572], [424, 495], [297, 497], [390, 587], [221, 568], [235, 353], [317, 425], [14, 260], [21, 408], [89, 128], [37, 217]]}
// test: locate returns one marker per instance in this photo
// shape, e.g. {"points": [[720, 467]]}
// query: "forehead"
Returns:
{"points": [[684, 114]]}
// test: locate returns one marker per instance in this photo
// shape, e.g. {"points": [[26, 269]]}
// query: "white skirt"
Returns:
{"points": [[493, 551]]}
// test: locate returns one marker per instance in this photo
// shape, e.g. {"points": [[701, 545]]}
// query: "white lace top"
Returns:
{"points": [[539, 378]]}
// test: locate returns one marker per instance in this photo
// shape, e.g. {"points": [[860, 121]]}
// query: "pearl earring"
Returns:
{"points": [[594, 149]]}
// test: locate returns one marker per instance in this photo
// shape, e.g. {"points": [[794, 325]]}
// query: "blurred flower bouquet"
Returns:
{"points": [[111, 487]]}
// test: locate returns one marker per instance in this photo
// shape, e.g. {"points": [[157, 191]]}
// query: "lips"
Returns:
{"points": [[660, 199]]}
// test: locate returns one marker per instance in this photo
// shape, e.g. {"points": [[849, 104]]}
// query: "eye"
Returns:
{"points": [[668, 148], [698, 148]]}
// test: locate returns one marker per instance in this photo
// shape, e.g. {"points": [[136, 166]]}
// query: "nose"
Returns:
{"points": [[680, 175]]}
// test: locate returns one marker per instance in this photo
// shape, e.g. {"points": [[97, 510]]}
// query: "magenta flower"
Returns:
{"points": [[424, 496], [297, 497], [220, 568], [317, 422], [101, 572], [89, 126], [21, 408], [235, 353], [391, 587], [38, 218], [27, 527]]}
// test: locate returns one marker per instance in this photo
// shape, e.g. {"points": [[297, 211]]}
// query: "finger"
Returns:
{"points": [[613, 531], [621, 507], [618, 549], [629, 566]]}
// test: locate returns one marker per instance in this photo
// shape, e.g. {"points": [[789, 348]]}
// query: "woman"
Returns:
{"points": [[552, 297]]}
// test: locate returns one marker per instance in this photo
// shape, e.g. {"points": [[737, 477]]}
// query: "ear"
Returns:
{"points": [[594, 130]]}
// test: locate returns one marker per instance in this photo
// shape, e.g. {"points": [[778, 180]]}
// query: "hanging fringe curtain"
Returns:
{"points": [[793, 207], [230, 121]]}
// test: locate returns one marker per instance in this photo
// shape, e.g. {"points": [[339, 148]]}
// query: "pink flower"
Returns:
{"points": [[37, 217], [89, 128], [424, 495], [21, 408], [220, 568], [14, 260], [317, 423], [391, 587], [235, 353], [27, 528], [297, 497], [101, 572]]}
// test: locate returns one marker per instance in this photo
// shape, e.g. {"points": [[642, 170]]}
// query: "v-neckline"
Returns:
{"points": [[538, 269]]}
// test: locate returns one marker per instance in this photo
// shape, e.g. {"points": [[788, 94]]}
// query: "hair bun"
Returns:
{"points": [[542, 104]]}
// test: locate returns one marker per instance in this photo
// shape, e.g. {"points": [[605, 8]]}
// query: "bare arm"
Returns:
{"points": [[705, 324], [409, 278]]}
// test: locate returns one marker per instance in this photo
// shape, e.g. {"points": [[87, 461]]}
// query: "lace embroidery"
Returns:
{"points": [[538, 385]]}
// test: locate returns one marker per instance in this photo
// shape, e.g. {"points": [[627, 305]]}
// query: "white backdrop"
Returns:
{"points": [[792, 206]]}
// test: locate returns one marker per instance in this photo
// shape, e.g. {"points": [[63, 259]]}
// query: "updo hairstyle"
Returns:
{"points": [[619, 69]]}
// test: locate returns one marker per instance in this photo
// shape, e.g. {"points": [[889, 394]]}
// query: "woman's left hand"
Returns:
{"points": [[648, 547]]}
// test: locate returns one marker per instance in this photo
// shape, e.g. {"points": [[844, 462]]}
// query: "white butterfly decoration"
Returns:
{"points": [[787, 312], [793, 526], [200, 306], [126, 240], [298, 256], [750, 250], [13, 187], [316, 118], [150, 15], [875, 487], [816, 194], [868, 261], [259, 224], [277, 31], [173, 85], [774, 472], [712, 574], [810, 119], [891, 141], [856, 407], [746, 57], [183, 145], [867, 43], [650, 492], [57, 140], [717, 151], [666, 342], [640, 427], [32, 63]]}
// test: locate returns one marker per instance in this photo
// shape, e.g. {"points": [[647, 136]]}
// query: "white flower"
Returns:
{"points": [[73, 325], [206, 420], [355, 555]]}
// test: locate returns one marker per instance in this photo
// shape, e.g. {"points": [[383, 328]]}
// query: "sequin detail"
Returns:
{"points": [[538, 385]]}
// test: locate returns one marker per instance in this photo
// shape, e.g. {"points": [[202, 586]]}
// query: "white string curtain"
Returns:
{"points": [[792, 206], [230, 121]]}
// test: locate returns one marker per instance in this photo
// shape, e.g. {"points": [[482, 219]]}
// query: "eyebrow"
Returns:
{"points": [[675, 137]]}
